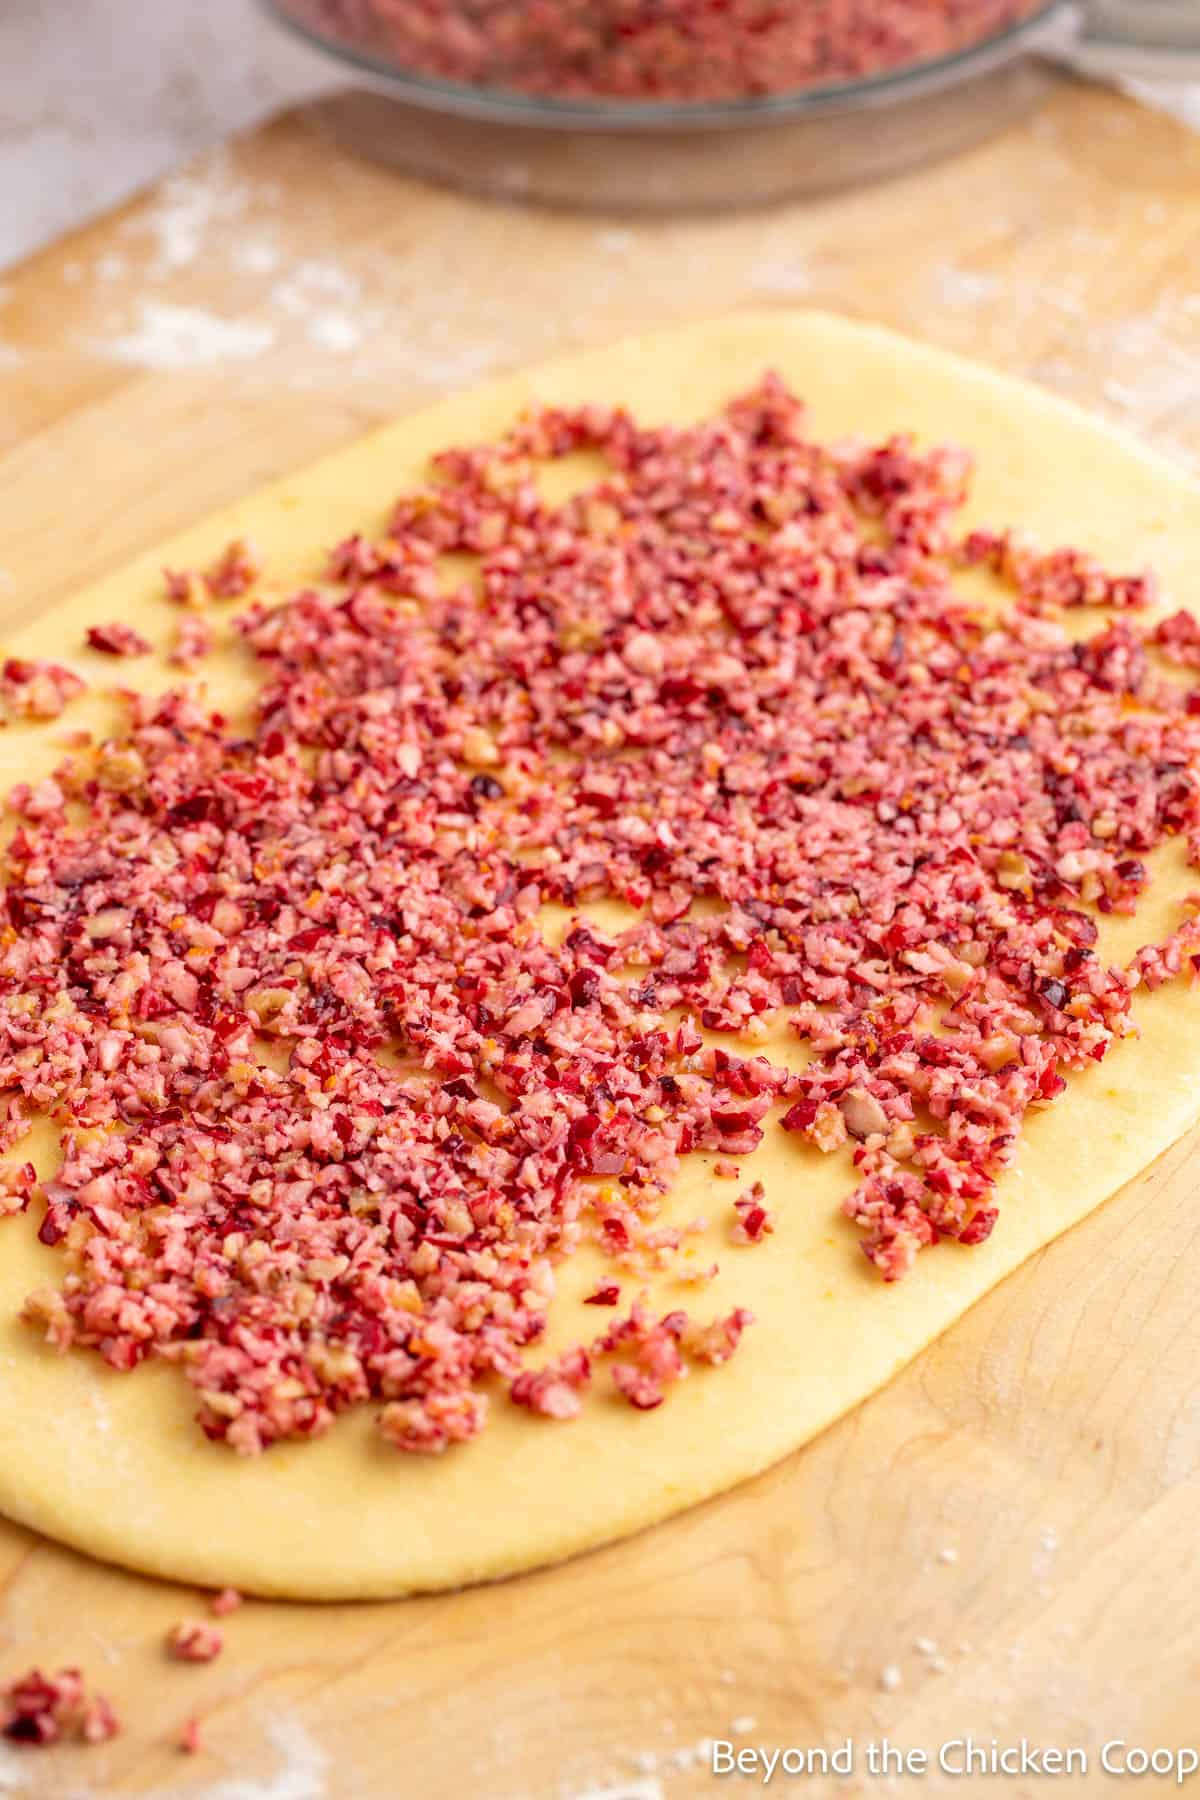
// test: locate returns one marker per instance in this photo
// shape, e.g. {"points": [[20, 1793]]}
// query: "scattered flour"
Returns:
{"points": [[1043, 1557], [934, 1661], [430, 318], [1151, 358], [256, 257], [689, 1756], [963, 287], [326, 300], [334, 331], [185, 211], [311, 284], [13, 1773], [208, 217], [108, 1651], [1152, 375], [782, 275], [301, 1774], [647, 1788], [890, 1678], [185, 337]]}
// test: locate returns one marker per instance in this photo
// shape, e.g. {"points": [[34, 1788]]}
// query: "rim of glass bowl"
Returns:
{"points": [[1039, 30]]}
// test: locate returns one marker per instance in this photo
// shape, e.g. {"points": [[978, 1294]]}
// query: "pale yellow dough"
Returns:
{"points": [[115, 1465]]}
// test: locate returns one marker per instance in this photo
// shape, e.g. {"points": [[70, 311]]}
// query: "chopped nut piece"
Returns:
{"points": [[1013, 872], [863, 1114]]}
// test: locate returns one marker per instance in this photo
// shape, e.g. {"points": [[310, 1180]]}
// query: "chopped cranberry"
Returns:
{"points": [[800, 1116], [583, 986], [979, 1228], [117, 639]]}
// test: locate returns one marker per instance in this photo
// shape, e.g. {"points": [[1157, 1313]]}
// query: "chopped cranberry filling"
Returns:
{"points": [[655, 50], [335, 1098], [37, 1709]]}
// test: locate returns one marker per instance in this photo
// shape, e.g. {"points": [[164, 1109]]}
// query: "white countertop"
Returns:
{"points": [[100, 97]]}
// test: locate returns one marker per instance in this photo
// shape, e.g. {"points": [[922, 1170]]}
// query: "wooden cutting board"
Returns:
{"points": [[1012, 1524]]}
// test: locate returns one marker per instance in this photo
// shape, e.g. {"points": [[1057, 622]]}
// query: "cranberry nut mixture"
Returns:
{"points": [[656, 50], [38, 1710], [335, 1091]]}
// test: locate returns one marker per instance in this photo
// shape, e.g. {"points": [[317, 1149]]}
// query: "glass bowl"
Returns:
{"points": [[636, 156]]}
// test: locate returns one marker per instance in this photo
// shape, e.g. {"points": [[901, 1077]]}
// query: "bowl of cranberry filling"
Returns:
{"points": [[675, 104], [652, 53]]}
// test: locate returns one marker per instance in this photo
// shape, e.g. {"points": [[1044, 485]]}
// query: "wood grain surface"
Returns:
{"points": [[1012, 1525]]}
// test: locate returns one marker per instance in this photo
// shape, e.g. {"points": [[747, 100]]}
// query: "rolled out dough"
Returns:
{"points": [[114, 1465]]}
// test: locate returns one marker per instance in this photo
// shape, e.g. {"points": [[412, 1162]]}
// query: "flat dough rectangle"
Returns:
{"points": [[114, 1465]]}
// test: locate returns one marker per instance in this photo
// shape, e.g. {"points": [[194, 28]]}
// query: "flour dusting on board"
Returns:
{"points": [[964, 287], [1150, 374], [187, 208], [326, 300], [1151, 358], [403, 314], [301, 1774], [186, 337], [784, 276], [12, 1771], [645, 1788]]}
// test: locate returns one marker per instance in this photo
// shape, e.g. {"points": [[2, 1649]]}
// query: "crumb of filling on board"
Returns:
{"points": [[194, 1640], [336, 1099], [38, 1709]]}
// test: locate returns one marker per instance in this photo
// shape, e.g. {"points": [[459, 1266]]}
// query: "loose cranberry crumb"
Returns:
{"points": [[193, 642], [194, 1640], [752, 1220], [189, 1737], [227, 1601], [184, 586], [117, 639], [555, 1389], [37, 1710], [37, 690], [235, 572]]}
